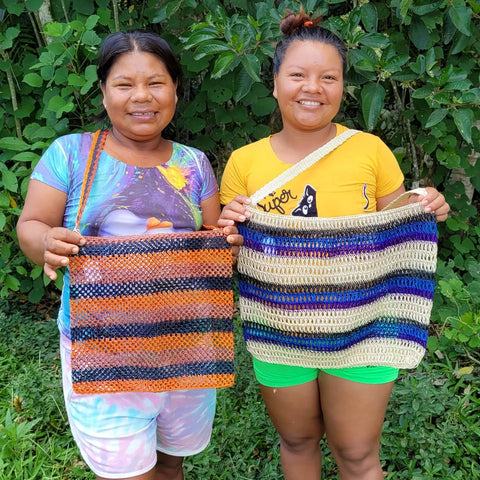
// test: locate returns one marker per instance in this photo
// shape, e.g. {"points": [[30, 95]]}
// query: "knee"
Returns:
{"points": [[356, 459], [299, 444]]}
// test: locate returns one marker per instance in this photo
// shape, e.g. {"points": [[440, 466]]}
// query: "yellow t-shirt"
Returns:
{"points": [[345, 182]]}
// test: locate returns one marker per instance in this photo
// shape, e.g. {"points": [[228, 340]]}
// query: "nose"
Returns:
{"points": [[141, 93], [313, 85]]}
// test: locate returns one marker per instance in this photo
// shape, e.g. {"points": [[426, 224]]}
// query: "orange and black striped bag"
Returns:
{"points": [[150, 313]]}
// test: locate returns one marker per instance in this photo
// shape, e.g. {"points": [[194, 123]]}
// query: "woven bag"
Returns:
{"points": [[337, 292], [150, 313]]}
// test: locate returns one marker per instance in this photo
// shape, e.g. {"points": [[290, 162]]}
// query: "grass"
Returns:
{"points": [[432, 427]]}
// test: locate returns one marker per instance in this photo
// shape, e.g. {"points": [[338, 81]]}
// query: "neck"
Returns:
{"points": [[145, 145], [292, 145]]}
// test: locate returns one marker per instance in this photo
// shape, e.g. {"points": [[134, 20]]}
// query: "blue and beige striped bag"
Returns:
{"points": [[337, 292]]}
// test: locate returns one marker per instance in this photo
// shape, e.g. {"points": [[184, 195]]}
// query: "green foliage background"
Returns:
{"points": [[413, 79]]}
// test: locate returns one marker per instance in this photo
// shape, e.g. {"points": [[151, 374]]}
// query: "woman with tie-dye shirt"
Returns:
{"points": [[144, 183]]}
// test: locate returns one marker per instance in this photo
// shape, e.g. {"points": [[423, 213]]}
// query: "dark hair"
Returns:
{"points": [[119, 43], [303, 28]]}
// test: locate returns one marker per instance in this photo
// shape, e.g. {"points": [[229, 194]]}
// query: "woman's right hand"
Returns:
{"points": [[59, 244], [235, 211]]}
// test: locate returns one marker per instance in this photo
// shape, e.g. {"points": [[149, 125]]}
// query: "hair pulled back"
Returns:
{"points": [[119, 43], [299, 26]]}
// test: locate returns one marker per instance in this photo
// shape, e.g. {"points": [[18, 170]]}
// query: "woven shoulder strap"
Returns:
{"points": [[92, 163], [302, 165], [404, 196]]}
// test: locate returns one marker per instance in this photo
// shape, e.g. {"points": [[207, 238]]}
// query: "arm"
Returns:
{"points": [[434, 201], [40, 233]]}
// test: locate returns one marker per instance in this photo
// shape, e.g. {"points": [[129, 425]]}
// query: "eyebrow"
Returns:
{"points": [[126, 77]]}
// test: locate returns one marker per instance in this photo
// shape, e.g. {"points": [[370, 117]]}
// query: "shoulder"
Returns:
{"points": [[252, 148], [192, 152], [72, 141], [366, 143]]}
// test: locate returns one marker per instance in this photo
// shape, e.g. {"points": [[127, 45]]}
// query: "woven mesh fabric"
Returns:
{"points": [[338, 292], [151, 313]]}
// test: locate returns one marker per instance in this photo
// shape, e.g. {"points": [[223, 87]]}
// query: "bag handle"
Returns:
{"points": [[404, 196], [96, 148], [302, 165]]}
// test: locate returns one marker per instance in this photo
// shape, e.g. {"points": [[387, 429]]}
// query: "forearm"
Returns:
{"points": [[31, 238]]}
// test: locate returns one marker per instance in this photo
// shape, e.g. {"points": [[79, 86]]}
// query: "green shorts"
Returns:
{"points": [[276, 375]]}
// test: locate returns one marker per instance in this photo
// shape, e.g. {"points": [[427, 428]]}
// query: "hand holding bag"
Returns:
{"points": [[337, 292], [150, 313]]}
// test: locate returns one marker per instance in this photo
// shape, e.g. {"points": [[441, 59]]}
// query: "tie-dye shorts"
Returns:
{"points": [[118, 434]]}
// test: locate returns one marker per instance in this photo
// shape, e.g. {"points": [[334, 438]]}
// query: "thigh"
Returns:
{"points": [[115, 433], [184, 426], [295, 411], [353, 412]]}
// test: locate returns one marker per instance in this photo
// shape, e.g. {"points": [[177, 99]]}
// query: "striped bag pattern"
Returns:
{"points": [[150, 313], [338, 292]]}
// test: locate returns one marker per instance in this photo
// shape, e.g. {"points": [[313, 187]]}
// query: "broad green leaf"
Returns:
{"points": [[211, 48], [3, 220], [427, 8], [243, 84], [404, 7], [54, 29], [76, 80], [194, 124], [219, 93], [369, 17], [86, 7], [461, 17], [436, 116], [373, 97], [91, 38], [26, 157], [15, 8], [374, 40], [252, 66], [222, 64], [464, 118], [33, 79], [13, 143], [33, 5], [12, 282], [419, 34], [423, 92], [200, 36], [264, 106], [9, 181], [91, 21]]}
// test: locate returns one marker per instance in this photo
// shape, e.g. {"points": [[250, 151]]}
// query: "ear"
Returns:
{"points": [[275, 86], [102, 88]]}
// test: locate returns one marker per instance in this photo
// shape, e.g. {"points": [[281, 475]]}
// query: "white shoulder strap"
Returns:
{"points": [[404, 196], [301, 166]]}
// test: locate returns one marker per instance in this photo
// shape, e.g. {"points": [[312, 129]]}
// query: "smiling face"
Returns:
{"points": [[139, 96], [309, 85]]}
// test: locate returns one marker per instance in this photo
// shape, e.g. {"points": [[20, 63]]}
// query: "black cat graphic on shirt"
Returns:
{"points": [[307, 207]]}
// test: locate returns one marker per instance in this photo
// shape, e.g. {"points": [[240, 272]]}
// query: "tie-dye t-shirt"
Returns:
{"points": [[126, 199]]}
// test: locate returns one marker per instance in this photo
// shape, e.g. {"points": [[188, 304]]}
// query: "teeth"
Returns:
{"points": [[313, 104], [142, 114]]}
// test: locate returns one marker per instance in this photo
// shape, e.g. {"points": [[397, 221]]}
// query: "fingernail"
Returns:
{"points": [[75, 250], [64, 261]]}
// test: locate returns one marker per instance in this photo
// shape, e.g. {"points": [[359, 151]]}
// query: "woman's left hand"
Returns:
{"points": [[435, 202]]}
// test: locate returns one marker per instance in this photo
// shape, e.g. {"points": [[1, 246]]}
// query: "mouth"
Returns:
{"points": [[310, 103], [142, 114]]}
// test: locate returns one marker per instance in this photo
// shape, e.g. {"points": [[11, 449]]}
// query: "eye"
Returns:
{"points": [[296, 75]]}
